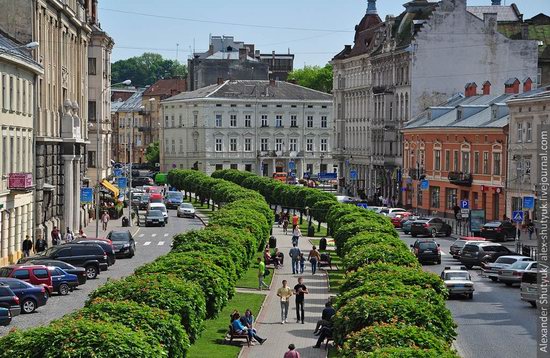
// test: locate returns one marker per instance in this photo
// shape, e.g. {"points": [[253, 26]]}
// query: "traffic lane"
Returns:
{"points": [[59, 306], [496, 323]]}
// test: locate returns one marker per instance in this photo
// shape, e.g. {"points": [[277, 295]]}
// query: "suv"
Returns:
{"points": [[33, 274], [9, 300], [68, 268], [456, 248], [173, 199], [30, 296], [479, 253], [430, 227], [90, 256], [427, 251], [141, 181], [144, 201], [498, 230], [106, 245]]}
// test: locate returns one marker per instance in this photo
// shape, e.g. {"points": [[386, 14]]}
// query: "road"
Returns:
{"points": [[496, 323], [151, 242]]}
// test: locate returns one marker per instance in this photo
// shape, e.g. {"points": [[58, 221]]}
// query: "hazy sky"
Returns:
{"points": [[314, 30]]}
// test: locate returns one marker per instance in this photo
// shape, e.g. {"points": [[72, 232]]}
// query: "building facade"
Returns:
{"points": [[257, 126], [280, 65], [130, 129], [18, 76]]}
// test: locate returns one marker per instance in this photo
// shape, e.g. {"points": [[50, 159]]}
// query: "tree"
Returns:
{"points": [[152, 153], [314, 77], [146, 69]]}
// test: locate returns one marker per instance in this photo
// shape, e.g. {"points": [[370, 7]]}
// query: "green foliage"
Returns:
{"points": [[368, 238], [344, 232], [398, 352], [321, 208], [244, 219], [146, 69], [395, 253], [314, 77], [259, 206], [152, 153]]}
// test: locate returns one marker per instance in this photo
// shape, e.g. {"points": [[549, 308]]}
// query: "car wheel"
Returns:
{"points": [[132, 252], [413, 235], [434, 233], [91, 272], [448, 233], [470, 296], [469, 267], [494, 279], [28, 306], [405, 232], [63, 289], [438, 262]]}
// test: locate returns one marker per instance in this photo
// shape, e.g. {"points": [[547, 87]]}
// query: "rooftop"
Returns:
{"points": [[15, 49], [134, 103], [166, 87], [505, 13]]}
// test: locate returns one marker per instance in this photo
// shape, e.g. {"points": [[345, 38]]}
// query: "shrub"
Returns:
{"points": [[79, 338], [320, 209], [160, 325], [368, 254], [367, 238], [258, 206], [242, 219], [343, 233], [167, 292], [399, 352]]}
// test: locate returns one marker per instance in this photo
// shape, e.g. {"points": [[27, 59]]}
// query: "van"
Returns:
{"points": [[280, 176], [529, 288], [161, 207]]}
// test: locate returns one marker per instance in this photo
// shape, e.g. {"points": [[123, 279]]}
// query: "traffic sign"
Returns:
{"points": [[291, 165], [327, 176], [464, 204], [528, 202], [117, 172], [424, 184], [353, 174], [517, 216], [363, 205], [86, 195], [122, 182], [465, 213]]}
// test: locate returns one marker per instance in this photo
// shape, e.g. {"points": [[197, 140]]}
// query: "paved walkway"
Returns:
{"points": [[268, 322]]}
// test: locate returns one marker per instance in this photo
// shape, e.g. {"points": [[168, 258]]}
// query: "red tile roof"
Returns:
{"points": [[166, 88]]}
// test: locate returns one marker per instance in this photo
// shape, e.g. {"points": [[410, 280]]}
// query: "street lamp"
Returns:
{"points": [[29, 46]]}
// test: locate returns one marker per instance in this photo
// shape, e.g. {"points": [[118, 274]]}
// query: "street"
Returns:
{"points": [[496, 323], [151, 242]]}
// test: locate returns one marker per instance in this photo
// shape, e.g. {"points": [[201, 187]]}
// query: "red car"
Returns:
{"points": [[34, 274], [397, 217]]}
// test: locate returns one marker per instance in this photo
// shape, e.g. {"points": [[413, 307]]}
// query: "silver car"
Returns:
{"points": [[186, 210], [513, 274], [491, 269], [458, 281]]}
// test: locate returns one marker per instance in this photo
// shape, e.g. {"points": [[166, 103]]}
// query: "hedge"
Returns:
{"points": [[242, 219], [344, 232], [398, 352], [397, 254], [369, 238]]}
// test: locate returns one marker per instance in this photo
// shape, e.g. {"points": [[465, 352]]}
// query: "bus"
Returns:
{"points": [[280, 176]]}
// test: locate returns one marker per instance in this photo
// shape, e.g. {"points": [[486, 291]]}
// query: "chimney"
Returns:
{"points": [[220, 80], [511, 86], [486, 88], [496, 2], [243, 54], [527, 84], [371, 8], [470, 89], [490, 20]]}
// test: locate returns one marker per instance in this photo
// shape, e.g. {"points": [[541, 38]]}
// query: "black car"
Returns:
{"points": [[154, 218], [68, 268], [105, 245], [430, 227], [141, 181], [123, 243], [144, 201], [479, 253], [498, 231], [90, 256], [427, 250], [9, 300], [5, 316]]}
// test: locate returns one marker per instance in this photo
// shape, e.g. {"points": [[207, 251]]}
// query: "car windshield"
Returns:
{"points": [[521, 265], [145, 198], [173, 195], [385, 211], [493, 224], [186, 206], [119, 236], [459, 243], [47, 252], [159, 208], [505, 260], [457, 276], [427, 245], [155, 213]]}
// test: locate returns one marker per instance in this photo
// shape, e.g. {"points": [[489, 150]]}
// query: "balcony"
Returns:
{"points": [[459, 178], [417, 174]]}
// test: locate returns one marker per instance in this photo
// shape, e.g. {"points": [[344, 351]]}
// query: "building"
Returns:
{"points": [[18, 77], [460, 148], [280, 65], [257, 126], [130, 129], [399, 67], [527, 112]]}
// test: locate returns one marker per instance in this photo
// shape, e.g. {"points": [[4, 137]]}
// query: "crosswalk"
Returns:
{"points": [[150, 239]]}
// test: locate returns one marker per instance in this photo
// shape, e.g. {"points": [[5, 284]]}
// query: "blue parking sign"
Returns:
{"points": [[464, 204], [122, 182], [529, 202], [424, 184], [117, 172]]}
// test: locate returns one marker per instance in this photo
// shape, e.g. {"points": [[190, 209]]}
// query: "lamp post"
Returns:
{"points": [[30, 46]]}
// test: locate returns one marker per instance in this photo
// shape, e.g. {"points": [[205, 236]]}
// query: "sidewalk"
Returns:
{"points": [[268, 322], [112, 225]]}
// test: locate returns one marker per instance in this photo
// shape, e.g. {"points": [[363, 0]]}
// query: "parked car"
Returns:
{"points": [[141, 181], [144, 201], [173, 199], [529, 288], [387, 211], [136, 198], [430, 227], [30, 296], [33, 274], [63, 282], [376, 209], [159, 207], [498, 230], [491, 269], [458, 281], [397, 217], [9, 300], [456, 247], [154, 217], [123, 243], [91, 257], [186, 210], [512, 275], [80, 272], [480, 253], [156, 198], [105, 244], [406, 223], [5, 316], [427, 250]]}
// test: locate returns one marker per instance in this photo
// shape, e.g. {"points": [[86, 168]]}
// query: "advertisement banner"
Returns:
{"points": [[477, 219]]}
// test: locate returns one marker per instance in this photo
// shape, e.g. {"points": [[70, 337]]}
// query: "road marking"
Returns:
{"points": [[153, 235], [166, 235], [161, 243], [147, 243], [141, 235]]}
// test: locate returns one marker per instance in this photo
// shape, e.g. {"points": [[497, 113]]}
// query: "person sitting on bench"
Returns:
{"points": [[239, 328], [327, 314]]}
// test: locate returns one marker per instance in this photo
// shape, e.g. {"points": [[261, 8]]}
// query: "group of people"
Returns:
{"points": [[245, 325], [285, 293], [299, 260], [41, 243]]}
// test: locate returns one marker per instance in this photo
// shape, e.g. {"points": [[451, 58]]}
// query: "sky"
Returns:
{"points": [[314, 30]]}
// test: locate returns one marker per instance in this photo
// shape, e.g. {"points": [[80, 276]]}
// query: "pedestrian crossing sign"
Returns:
{"points": [[517, 216]]}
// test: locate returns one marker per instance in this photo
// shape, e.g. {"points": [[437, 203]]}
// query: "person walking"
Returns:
{"points": [[284, 294], [302, 263], [105, 220], [292, 352], [285, 225], [314, 257], [294, 254], [261, 274], [294, 220], [27, 246], [56, 236], [300, 290], [40, 245], [69, 236], [296, 233]]}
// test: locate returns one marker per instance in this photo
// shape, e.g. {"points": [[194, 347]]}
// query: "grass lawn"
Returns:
{"points": [[303, 228], [250, 277], [211, 343]]}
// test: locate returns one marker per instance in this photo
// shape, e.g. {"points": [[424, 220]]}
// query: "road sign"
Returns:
{"points": [[528, 202], [353, 174], [465, 213], [122, 182], [517, 216], [117, 172], [464, 204], [291, 165], [424, 184], [328, 176], [363, 205], [86, 195]]}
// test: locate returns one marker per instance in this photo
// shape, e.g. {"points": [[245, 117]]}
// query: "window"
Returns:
{"points": [[455, 160], [294, 121], [451, 198], [309, 144], [233, 144], [181, 145], [218, 120], [234, 166], [264, 120], [447, 160], [465, 162], [293, 145], [434, 196], [324, 144], [248, 167], [247, 121], [219, 167], [310, 121], [278, 121], [180, 119], [485, 163], [264, 146], [233, 120], [476, 162], [278, 144], [91, 158], [92, 111], [324, 122], [195, 119], [219, 145], [167, 146], [92, 66], [528, 133], [309, 168], [21, 274], [437, 160], [40, 273], [173, 146], [166, 121], [173, 121], [496, 163], [248, 144], [519, 132]]}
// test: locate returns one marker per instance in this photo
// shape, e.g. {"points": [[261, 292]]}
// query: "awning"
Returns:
{"points": [[110, 187]]}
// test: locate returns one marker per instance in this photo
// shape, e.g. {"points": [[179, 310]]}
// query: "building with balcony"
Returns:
{"points": [[131, 129], [257, 126]]}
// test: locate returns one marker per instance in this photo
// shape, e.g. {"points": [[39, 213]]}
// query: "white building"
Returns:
{"points": [[257, 126]]}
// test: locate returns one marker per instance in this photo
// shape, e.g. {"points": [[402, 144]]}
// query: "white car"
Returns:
{"points": [[491, 269], [387, 211], [458, 281], [186, 210], [161, 207], [514, 273]]}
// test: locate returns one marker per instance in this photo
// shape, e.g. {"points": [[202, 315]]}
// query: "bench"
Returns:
{"points": [[234, 335], [326, 260]]}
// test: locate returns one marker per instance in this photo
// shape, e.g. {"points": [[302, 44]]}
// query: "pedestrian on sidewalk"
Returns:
{"points": [[261, 274], [314, 257], [300, 290], [69, 236], [40, 245], [292, 352], [27, 246], [105, 220], [296, 233], [294, 220], [294, 254], [56, 236], [302, 263], [285, 225], [284, 294]]}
